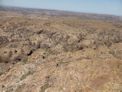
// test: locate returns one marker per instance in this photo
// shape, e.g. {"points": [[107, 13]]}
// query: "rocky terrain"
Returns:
{"points": [[56, 51]]}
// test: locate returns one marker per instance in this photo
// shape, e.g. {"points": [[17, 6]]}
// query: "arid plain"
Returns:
{"points": [[58, 51]]}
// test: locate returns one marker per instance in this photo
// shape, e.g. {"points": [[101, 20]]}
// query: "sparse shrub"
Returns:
{"points": [[3, 40], [109, 37]]}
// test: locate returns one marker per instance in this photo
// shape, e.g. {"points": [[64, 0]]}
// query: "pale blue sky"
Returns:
{"points": [[91, 6]]}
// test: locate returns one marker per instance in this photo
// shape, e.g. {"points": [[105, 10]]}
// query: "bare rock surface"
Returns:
{"points": [[67, 53]]}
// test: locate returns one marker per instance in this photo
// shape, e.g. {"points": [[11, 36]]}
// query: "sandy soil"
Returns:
{"points": [[60, 52]]}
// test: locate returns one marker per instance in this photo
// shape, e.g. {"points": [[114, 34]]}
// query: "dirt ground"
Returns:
{"points": [[51, 51]]}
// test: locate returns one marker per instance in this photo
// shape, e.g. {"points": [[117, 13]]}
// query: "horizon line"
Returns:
{"points": [[71, 11]]}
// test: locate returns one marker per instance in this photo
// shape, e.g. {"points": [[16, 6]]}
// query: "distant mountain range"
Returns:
{"points": [[26, 11]]}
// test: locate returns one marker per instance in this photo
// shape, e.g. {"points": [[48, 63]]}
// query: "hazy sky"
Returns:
{"points": [[93, 6]]}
